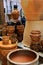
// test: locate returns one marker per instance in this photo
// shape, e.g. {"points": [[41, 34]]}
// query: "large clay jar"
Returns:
{"points": [[15, 13], [35, 36]]}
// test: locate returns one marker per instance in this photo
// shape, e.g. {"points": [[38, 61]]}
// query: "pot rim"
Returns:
{"points": [[36, 59]]}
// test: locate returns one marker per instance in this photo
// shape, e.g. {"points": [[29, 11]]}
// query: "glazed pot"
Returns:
{"points": [[35, 35], [22, 57]]}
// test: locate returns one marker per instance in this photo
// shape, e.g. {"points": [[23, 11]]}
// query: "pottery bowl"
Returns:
{"points": [[22, 57]]}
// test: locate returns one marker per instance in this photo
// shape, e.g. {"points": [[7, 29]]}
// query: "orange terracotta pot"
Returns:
{"points": [[5, 49]]}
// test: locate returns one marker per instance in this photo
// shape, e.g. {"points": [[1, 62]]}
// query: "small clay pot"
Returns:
{"points": [[35, 35], [5, 40], [13, 38], [10, 29], [20, 29]]}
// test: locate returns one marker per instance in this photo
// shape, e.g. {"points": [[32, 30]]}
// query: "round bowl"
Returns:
{"points": [[22, 57]]}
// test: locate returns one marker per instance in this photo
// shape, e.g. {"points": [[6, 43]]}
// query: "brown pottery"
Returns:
{"points": [[35, 35], [22, 57]]}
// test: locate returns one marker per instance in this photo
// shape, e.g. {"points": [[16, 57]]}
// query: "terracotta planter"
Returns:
{"points": [[22, 57], [35, 36], [15, 13]]}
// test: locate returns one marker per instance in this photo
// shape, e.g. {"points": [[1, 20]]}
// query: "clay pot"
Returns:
{"points": [[15, 13], [20, 29], [13, 38], [35, 35], [10, 29], [22, 57], [5, 40], [4, 50]]}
